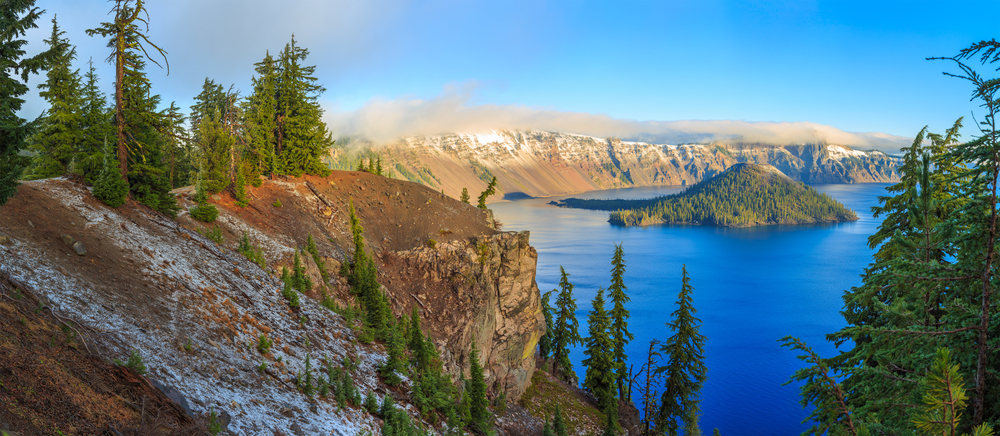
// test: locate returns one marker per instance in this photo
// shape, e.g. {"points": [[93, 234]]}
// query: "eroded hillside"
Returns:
{"points": [[195, 310], [538, 163]]}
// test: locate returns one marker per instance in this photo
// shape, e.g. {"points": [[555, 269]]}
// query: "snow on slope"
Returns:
{"points": [[182, 286]]}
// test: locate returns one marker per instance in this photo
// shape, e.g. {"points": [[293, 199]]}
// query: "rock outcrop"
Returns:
{"points": [[538, 164], [480, 292], [195, 309]]}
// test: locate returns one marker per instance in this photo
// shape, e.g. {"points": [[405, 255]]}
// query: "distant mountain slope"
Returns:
{"points": [[742, 196], [539, 164]]}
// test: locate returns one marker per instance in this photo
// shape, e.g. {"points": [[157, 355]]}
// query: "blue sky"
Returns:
{"points": [[399, 67]]}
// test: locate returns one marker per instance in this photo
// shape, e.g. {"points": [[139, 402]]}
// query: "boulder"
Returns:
{"points": [[79, 248]]}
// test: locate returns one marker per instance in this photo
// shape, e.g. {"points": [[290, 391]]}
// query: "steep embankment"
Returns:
{"points": [[539, 163], [744, 195], [195, 310]]}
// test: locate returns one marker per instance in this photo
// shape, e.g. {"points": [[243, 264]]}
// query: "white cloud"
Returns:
{"points": [[384, 120]]}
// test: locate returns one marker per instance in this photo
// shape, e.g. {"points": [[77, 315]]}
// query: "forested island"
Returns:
{"points": [[743, 195]]}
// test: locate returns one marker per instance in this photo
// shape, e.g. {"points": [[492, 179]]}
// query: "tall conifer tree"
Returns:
{"points": [[302, 137], [61, 131], [16, 17], [126, 39], [567, 330], [686, 372], [545, 342], [96, 129], [619, 320], [600, 376]]}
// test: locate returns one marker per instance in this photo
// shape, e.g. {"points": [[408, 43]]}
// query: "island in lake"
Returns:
{"points": [[743, 195]]}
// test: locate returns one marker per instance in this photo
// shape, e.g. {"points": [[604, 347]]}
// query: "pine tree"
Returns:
{"points": [[179, 156], [600, 376], [54, 145], [16, 18], [686, 372], [545, 342], [396, 362], [261, 113], [302, 136], [110, 188], [566, 330], [96, 127], [478, 412], [490, 190], [558, 424], [619, 320], [465, 196], [126, 39]]}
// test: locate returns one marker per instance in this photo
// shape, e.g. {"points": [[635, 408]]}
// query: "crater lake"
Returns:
{"points": [[752, 286]]}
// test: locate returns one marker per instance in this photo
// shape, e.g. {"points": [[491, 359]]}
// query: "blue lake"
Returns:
{"points": [[752, 287]]}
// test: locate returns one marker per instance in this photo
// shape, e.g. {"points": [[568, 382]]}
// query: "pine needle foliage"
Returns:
{"points": [[478, 412], [545, 342], [491, 189], [600, 379], [620, 335], [16, 18], [566, 329], [685, 370]]}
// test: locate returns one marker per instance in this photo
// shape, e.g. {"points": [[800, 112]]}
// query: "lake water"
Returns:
{"points": [[752, 287]]}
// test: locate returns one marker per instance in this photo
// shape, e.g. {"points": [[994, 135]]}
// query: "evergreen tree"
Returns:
{"points": [[16, 17], [686, 368], [109, 187], [619, 320], [214, 143], [545, 342], [558, 424], [465, 196], [179, 156], [261, 113], [396, 362], [478, 413], [490, 190], [600, 376], [96, 127], [363, 280], [54, 145], [302, 136], [566, 330], [125, 40]]}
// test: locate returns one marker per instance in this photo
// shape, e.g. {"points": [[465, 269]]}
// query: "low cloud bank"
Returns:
{"points": [[384, 121]]}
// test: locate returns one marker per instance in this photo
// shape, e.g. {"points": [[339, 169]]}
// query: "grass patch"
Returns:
{"points": [[545, 393]]}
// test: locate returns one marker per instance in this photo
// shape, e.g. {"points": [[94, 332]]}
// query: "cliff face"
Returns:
{"points": [[159, 286], [549, 163], [481, 291]]}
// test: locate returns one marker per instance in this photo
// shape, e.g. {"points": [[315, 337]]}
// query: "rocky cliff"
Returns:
{"points": [[537, 163], [195, 310]]}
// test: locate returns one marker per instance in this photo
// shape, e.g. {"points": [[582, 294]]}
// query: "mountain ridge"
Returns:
{"points": [[540, 163]]}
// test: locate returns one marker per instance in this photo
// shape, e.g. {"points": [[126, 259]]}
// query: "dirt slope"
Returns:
{"points": [[153, 285]]}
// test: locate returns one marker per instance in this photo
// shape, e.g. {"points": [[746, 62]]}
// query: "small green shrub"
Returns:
{"points": [[188, 346], [431, 243], [18, 295], [371, 403], [215, 234], [277, 203], [214, 426], [134, 362], [204, 212], [252, 252], [264, 344], [262, 367]]}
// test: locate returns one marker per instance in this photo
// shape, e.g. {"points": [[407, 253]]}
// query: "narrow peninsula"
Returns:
{"points": [[743, 195]]}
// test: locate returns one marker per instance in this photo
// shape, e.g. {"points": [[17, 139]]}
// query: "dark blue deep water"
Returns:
{"points": [[751, 287]]}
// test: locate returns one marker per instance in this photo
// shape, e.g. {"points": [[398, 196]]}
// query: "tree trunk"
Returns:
{"points": [[119, 108]]}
